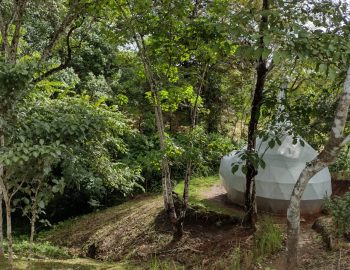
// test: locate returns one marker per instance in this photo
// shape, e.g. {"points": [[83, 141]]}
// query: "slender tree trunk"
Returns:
{"points": [[1, 229], [153, 84], [328, 156], [32, 233], [189, 166], [2, 144], [9, 233], [261, 70], [180, 223], [7, 200], [165, 168]]}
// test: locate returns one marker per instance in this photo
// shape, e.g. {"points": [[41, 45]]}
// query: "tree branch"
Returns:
{"points": [[74, 11], [64, 64], [19, 9]]}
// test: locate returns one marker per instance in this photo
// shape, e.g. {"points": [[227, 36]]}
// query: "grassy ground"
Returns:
{"points": [[200, 189], [67, 264], [198, 184]]}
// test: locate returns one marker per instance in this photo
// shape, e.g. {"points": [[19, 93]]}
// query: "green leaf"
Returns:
{"points": [[323, 68], [278, 141], [41, 204], [55, 189], [25, 200], [265, 53], [234, 168], [244, 169], [272, 143], [267, 40], [262, 163]]}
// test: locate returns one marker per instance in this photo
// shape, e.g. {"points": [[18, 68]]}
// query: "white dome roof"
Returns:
{"points": [[276, 181]]}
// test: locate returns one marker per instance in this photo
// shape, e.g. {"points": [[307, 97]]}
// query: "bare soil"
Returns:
{"points": [[140, 232]]}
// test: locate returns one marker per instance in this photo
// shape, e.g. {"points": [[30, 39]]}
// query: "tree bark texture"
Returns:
{"points": [[261, 71], [327, 156]]}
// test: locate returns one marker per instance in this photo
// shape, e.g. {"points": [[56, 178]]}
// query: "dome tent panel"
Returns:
{"points": [[274, 183]]}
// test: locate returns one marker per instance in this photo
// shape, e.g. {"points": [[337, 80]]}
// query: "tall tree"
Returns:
{"points": [[261, 73], [17, 76], [337, 140]]}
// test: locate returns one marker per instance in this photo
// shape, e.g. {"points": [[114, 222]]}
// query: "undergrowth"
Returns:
{"points": [[41, 250], [339, 209], [157, 264], [268, 239]]}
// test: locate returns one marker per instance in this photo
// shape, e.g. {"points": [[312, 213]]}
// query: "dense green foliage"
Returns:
{"points": [[339, 208], [79, 82]]}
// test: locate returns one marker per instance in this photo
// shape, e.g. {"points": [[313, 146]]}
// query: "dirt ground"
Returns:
{"points": [[139, 231], [313, 251]]}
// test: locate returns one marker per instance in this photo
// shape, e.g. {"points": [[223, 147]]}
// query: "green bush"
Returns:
{"points": [[268, 238], [205, 150], [339, 208], [343, 161]]}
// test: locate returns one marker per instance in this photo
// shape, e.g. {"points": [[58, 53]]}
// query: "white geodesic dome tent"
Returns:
{"points": [[274, 183]]}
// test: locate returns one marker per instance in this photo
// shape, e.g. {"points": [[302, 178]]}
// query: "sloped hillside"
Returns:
{"points": [[139, 231]]}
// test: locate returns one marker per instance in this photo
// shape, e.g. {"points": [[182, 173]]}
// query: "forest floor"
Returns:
{"points": [[137, 235]]}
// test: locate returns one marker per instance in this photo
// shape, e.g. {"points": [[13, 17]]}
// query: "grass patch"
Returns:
{"points": [[71, 264], [42, 250], [268, 239], [198, 187], [157, 264]]}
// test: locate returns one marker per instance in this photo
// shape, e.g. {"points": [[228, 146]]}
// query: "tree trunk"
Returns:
{"points": [[2, 144], [188, 174], [1, 228], [9, 233], [180, 223], [261, 70], [328, 156], [32, 233], [165, 168], [153, 84], [7, 200]]}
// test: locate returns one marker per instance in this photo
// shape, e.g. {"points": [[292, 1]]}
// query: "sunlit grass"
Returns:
{"points": [[76, 264], [198, 187]]}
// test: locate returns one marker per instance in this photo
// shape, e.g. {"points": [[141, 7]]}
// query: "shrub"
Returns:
{"points": [[40, 249], [343, 161], [339, 208], [205, 150]]}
